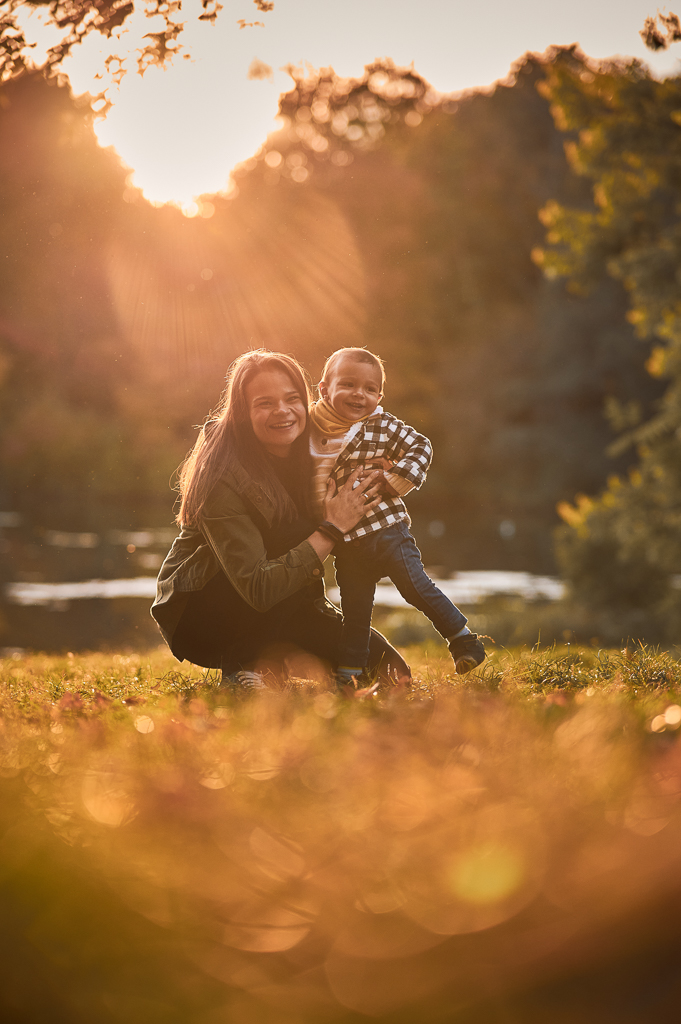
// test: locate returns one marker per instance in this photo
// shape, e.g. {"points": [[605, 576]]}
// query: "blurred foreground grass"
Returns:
{"points": [[499, 849]]}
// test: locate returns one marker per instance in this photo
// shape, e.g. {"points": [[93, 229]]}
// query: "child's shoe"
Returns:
{"points": [[347, 675], [356, 684], [467, 652]]}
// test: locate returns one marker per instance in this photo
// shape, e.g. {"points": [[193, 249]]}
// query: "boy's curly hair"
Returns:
{"points": [[360, 355]]}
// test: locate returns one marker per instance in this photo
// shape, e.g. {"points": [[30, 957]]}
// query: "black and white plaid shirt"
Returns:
{"points": [[383, 436]]}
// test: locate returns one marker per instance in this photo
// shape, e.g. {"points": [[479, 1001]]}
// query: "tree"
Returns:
{"points": [[507, 372], [623, 548], [77, 18]]}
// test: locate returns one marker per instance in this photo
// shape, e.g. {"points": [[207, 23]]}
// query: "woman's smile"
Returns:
{"points": [[278, 412]]}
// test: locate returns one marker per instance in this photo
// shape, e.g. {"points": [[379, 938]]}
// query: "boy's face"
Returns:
{"points": [[353, 388]]}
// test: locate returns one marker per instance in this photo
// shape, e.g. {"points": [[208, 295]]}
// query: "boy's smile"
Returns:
{"points": [[354, 389]]}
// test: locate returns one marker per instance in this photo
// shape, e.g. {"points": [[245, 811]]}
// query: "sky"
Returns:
{"points": [[182, 129]]}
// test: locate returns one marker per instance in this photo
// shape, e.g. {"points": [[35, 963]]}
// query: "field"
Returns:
{"points": [[499, 849]]}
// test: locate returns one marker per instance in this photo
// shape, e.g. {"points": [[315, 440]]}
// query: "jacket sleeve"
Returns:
{"points": [[410, 452], [239, 549]]}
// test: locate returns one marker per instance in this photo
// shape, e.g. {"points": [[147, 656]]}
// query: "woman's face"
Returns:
{"points": [[277, 410]]}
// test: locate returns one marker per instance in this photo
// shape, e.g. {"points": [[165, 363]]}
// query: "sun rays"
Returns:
{"points": [[265, 269]]}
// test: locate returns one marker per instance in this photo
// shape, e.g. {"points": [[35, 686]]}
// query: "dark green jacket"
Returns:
{"points": [[230, 539]]}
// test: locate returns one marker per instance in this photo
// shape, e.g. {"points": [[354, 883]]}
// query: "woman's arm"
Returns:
{"points": [[238, 546]]}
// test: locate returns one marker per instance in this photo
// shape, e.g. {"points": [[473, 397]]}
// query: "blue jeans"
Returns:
{"points": [[361, 563]]}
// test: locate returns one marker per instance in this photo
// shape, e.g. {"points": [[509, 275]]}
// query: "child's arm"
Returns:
{"points": [[410, 454], [385, 466]]}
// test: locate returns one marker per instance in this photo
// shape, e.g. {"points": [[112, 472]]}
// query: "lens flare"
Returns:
{"points": [[283, 273]]}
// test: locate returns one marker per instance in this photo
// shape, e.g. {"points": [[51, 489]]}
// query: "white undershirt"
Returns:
{"points": [[325, 452]]}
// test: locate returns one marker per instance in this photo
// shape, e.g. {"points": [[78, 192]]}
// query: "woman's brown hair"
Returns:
{"points": [[227, 438]]}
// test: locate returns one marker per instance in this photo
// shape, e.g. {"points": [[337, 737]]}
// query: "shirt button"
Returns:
{"points": [[315, 572]]}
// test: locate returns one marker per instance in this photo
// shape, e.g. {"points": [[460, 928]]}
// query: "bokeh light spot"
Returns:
{"points": [[305, 727], [266, 929], [105, 798], [326, 705], [318, 775], [487, 874], [436, 528], [213, 781], [672, 716]]}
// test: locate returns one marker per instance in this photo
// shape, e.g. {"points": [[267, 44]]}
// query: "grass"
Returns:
{"points": [[502, 847]]}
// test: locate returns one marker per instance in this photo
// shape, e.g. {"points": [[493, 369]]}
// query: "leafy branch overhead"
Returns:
{"points": [[79, 18], [661, 38]]}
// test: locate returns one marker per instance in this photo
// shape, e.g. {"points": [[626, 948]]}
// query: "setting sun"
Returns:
{"points": [[182, 128], [185, 143]]}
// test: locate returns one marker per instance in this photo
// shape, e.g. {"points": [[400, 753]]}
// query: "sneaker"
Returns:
{"points": [[467, 652], [357, 679], [349, 673], [244, 680]]}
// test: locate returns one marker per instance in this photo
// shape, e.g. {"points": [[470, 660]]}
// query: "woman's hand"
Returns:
{"points": [[384, 466], [384, 486], [345, 507]]}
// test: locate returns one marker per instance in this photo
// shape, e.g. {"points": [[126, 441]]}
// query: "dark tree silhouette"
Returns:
{"points": [[78, 18]]}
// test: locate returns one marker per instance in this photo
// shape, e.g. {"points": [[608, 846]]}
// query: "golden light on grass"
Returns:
{"points": [[278, 859], [105, 798], [403, 854], [266, 928], [488, 873]]}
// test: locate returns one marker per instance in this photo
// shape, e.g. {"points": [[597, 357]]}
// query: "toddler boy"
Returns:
{"points": [[350, 429]]}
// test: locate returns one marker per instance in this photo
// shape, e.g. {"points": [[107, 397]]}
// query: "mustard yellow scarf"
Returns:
{"points": [[328, 421]]}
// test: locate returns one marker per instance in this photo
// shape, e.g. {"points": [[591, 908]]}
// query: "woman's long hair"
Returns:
{"points": [[227, 438]]}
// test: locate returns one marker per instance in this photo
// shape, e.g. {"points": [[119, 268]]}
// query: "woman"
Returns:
{"points": [[245, 576]]}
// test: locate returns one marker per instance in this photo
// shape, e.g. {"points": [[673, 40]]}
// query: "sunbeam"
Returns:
{"points": [[260, 272]]}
